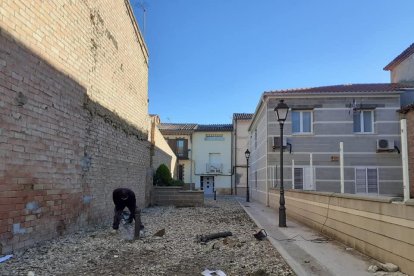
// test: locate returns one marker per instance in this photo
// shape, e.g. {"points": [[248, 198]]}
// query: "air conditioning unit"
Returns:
{"points": [[385, 145], [214, 168], [276, 142]]}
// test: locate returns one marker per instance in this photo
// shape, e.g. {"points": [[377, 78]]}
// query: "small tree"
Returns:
{"points": [[162, 176]]}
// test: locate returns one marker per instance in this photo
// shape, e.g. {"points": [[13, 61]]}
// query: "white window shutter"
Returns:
{"points": [[360, 181], [372, 179], [299, 178]]}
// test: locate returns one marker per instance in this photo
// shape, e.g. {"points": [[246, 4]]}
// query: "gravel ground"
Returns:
{"points": [[178, 252]]}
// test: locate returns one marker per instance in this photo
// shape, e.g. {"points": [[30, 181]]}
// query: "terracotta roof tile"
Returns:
{"points": [[242, 116], [345, 88], [216, 127], [400, 58], [166, 128]]}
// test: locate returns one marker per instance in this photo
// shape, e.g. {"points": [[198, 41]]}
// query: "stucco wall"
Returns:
{"points": [[74, 116], [404, 72], [241, 145], [201, 150], [258, 157], [163, 154], [185, 162], [332, 124]]}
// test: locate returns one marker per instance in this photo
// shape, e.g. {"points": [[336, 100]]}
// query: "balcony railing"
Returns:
{"points": [[216, 168]]}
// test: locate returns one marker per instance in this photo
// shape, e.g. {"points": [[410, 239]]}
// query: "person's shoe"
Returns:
{"points": [[113, 231]]}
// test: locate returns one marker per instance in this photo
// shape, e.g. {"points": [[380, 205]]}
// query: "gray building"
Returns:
{"points": [[363, 117]]}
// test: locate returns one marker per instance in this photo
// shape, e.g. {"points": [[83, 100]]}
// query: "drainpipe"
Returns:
{"points": [[234, 165], [311, 168], [404, 157], [191, 163], [293, 174]]}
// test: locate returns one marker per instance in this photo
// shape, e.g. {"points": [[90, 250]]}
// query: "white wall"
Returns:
{"points": [[241, 144], [201, 151], [404, 72]]}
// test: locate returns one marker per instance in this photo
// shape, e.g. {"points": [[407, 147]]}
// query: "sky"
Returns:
{"points": [[209, 59]]}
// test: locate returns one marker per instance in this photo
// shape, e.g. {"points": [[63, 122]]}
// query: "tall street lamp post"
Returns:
{"points": [[247, 154], [281, 110]]}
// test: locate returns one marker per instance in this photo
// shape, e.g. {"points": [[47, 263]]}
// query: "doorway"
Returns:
{"points": [[207, 184]]}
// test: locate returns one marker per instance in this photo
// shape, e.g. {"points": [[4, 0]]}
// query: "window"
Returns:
{"points": [[298, 178], [301, 121], [255, 138], [214, 137], [366, 181], [363, 121], [255, 179], [180, 147], [303, 178]]}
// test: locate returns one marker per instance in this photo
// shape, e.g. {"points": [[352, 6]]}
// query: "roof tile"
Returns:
{"points": [[351, 88], [400, 58]]}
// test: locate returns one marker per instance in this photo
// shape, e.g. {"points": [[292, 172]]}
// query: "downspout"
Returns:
{"points": [[235, 158], [191, 163], [267, 158]]}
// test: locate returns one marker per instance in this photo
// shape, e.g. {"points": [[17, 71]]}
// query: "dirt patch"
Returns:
{"points": [[99, 252]]}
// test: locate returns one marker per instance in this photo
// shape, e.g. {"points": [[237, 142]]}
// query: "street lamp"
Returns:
{"points": [[281, 110], [247, 154]]}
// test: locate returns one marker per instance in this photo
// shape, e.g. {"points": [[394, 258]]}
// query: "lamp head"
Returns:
{"points": [[247, 154], [281, 110]]}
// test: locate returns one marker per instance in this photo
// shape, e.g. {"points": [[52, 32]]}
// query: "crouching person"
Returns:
{"points": [[122, 198]]}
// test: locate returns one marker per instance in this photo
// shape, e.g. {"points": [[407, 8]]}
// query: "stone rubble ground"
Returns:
{"points": [[177, 252]]}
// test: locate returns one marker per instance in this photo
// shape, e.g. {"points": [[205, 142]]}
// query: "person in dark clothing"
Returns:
{"points": [[122, 198]]}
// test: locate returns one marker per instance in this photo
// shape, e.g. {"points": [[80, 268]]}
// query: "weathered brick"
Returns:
{"points": [[68, 133]]}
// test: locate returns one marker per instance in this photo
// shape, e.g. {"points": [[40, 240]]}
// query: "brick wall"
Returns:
{"points": [[73, 116], [410, 139]]}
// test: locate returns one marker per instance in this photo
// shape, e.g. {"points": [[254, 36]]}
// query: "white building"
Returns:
{"points": [[203, 153]]}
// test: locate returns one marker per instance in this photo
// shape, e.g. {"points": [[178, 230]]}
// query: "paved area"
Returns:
{"points": [[305, 250]]}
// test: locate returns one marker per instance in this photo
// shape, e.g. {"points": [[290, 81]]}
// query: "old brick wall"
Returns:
{"points": [[73, 115], [410, 138]]}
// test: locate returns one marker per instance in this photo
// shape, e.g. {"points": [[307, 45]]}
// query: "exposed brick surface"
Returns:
{"points": [[60, 155]]}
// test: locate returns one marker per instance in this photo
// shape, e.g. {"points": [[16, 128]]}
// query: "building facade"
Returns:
{"points": [[73, 117], [402, 71], [204, 155], [212, 158], [179, 138], [240, 143], [363, 117]]}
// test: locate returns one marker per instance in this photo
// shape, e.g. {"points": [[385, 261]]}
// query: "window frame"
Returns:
{"points": [[301, 111], [361, 121], [366, 181]]}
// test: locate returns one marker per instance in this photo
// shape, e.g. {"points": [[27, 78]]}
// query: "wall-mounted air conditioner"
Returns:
{"points": [[214, 168], [385, 145], [276, 142]]}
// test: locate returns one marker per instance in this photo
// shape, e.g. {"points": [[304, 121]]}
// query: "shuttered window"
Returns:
{"points": [[366, 180], [299, 178], [180, 147]]}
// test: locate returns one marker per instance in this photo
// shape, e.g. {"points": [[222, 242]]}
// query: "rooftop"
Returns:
{"points": [[177, 128], [345, 88], [400, 58], [215, 127], [242, 116]]}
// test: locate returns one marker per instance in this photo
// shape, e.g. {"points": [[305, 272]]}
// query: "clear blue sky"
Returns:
{"points": [[212, 58]]}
